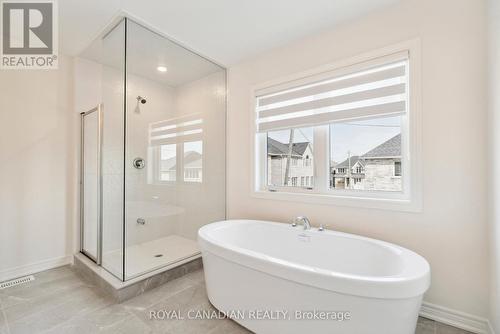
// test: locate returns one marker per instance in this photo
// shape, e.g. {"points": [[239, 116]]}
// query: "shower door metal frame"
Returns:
{"points": [[98, 110]]}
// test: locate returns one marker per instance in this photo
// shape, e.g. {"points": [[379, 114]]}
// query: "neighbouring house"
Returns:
{"points": [[348, 174], [383, 166], [378, 169], [193, 168], [301, 171], [168, 169]]}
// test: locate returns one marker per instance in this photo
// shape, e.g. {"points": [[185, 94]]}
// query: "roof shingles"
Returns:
{"points": [[389, 148], [275, 147]]}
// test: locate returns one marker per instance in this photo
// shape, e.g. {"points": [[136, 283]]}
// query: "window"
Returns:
{"points": [[177, 149], [283, 169], [369, 148], [193, 162], [345, 133], [168, 163], [397, 168]]}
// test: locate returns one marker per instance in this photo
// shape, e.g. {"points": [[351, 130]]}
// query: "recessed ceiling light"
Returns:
{"points": [[161, 69]]}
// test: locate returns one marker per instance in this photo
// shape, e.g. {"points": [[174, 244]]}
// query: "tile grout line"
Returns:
{"points": [[117, 321], [52, 307], [140, 320], [127, 309], [5, 319], [163, 299], [137, 314], [37, 285], [77, 316]]}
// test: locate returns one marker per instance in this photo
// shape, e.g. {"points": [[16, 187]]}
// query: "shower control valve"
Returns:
{"points": [[139, 163]]}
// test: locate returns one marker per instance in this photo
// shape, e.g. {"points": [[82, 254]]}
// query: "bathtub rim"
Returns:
{"points": [[413, 281]]}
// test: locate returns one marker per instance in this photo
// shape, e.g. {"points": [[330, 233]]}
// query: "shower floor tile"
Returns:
{"points": [[147, 256]]}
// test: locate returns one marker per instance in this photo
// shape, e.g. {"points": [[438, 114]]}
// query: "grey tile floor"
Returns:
{"points": [[58, 301]]}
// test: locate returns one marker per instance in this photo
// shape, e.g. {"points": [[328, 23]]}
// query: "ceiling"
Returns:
{"points": [[146, 51], [226, 31]]}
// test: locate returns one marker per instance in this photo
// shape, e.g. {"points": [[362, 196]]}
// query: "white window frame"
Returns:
{"points": [[410, 199], [155, 165]]}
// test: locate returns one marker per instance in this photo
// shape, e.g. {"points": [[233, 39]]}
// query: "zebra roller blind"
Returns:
{"points": [[362, 91], [171, 131]]}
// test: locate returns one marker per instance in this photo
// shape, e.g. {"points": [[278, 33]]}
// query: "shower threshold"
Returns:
{"points": [[180, 256], [147, 256]]}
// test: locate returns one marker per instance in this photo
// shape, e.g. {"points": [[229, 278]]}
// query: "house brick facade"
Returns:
{"points": [[377, 170]]}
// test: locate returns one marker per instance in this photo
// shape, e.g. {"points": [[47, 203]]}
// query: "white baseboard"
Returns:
{"points": [[33, 268], [456, 318]]}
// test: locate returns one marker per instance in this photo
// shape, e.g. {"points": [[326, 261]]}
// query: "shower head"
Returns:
{"points": [[141, 99]]}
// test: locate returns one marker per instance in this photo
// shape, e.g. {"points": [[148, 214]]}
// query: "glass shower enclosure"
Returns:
{"points": [[153, 151]]}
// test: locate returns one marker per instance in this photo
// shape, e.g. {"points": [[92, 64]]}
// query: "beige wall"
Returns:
{"points": [[451, 231], [494, 194], [38, 175]]}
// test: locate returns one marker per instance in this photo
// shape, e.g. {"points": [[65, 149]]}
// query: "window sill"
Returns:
{"points": [[402, 205]]}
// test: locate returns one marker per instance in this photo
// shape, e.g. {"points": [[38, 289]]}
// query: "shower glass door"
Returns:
{"points": [[162, 169], [90, 179], [174, 152], [112, 74], [104, 62]]}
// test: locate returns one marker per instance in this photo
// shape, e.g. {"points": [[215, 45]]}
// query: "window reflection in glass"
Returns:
{"points": [[168, 163], [193, 162]]}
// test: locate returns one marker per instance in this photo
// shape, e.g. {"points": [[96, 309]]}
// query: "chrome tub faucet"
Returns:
{"points": [[304, 220]]}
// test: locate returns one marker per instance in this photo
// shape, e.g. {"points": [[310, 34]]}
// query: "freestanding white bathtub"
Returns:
{"points": [[275, 278]]}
